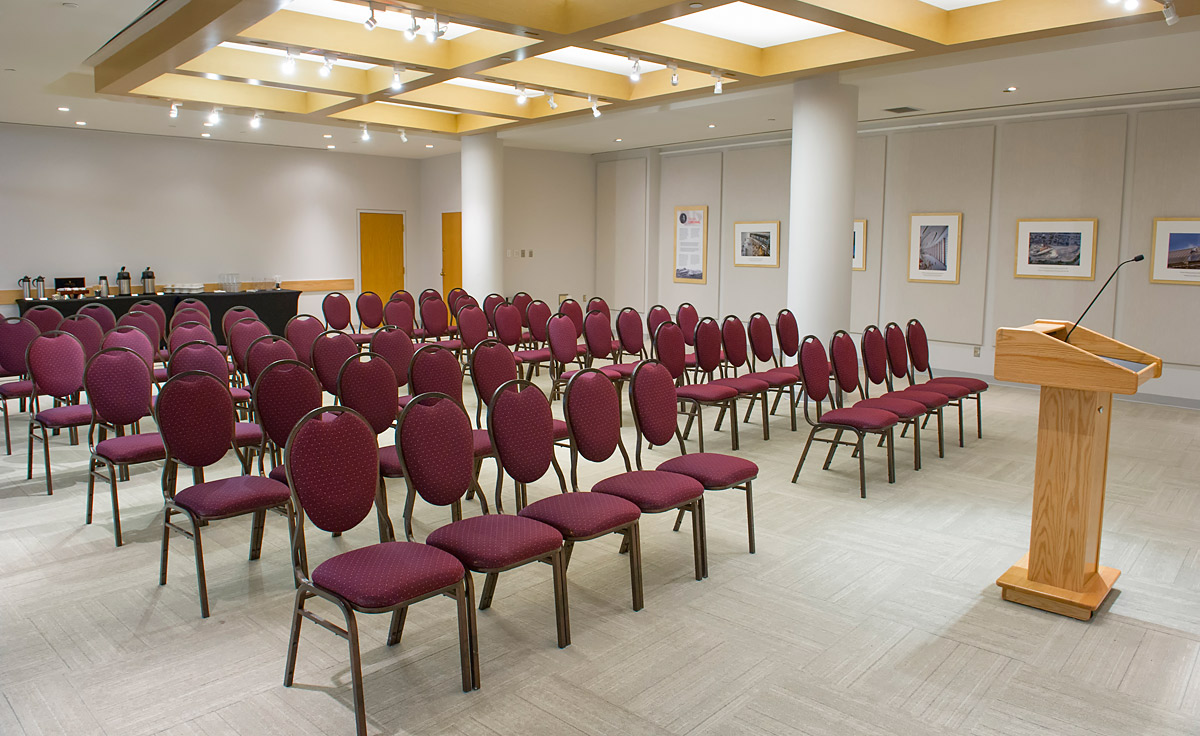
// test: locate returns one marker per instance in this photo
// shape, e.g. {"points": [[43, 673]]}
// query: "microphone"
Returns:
{"points": [[1138, 257]]}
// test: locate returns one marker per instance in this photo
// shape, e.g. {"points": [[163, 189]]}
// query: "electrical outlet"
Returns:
{"points": [[976, 351], [531, 252]]}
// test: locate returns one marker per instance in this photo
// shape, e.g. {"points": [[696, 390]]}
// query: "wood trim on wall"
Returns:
{"points": [[10, 296]]}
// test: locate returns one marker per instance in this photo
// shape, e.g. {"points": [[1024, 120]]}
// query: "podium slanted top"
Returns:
{"points": [[1039, 354]]}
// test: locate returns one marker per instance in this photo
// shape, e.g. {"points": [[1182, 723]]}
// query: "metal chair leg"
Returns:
{"points": [[891, 455], [360, 705], [804, 454], [862, 468], [489, 589], [837, 438], [289, 670], [200, 581], [112, 487], [396, 627], [166, 543], [634, 536], [697, 544], [561, 606], [256, 533], [679, 519], [473, 628]]}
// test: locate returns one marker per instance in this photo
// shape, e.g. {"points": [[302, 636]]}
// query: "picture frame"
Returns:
{"points": [[756, 244], [691, 244], [1175, 251], [1056, 249], [935, 247], [858, 254]]}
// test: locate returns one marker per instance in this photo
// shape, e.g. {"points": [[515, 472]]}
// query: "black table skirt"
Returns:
{"points": [[274, 307]]}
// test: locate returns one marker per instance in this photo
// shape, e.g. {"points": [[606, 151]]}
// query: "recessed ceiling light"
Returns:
{"points": [[206, 135], [64, 109], [328, 135], [617, 140], [251, 81], [70, 5], [429, 145], [331, 146], [712, 125], [210, 75], [695, 5], [80, 122], [1010, 89], [208, 125]]}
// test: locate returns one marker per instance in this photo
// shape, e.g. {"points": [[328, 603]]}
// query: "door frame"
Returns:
{"points": [[358, 239]]}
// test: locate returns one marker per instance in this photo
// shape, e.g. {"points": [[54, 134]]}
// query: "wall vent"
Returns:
{"points": [[902, 110]]}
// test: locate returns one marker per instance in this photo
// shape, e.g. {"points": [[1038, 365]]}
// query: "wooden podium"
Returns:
{"points": [[1061, 572]]}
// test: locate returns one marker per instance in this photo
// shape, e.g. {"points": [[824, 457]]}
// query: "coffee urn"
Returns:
{"points": [[148, 281], [124, 283], [102, 288], [39, 286], [26, 285]]}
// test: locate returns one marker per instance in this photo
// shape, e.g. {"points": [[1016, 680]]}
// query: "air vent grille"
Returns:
{"points": [[902, 110]]}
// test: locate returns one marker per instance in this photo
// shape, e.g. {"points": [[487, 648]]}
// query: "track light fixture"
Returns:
{"points": [[256, 120], [674, 73], [552, 103], [174, 113], [403, 136], [411, 32], [635, 75], [289, 64], [366, 134], [595, 106], [718, 83], [370, 22], [522, 94], [397, 83], [214, 117], [436, 30], [1170, 15], [327, 67]]}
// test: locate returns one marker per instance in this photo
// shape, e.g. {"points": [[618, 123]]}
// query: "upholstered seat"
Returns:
{"points": [[706, 392], [775, 378], [132, 449], [231, 496], [448, 344], [278, 473], [625, 370], [609, 371], [931, 399], [948, 388], [73, 415], [974, 384], [495, 541], [712, 470], [532, 356], [239, 394], [864, 419], [742, 384], [16, 389], [389, 463], [160, 374], [903, 408], [582, 515], [652, 490], [247, 434], [361, 338], [403, 401], [383, 575], [482, 442], [561, 430]]}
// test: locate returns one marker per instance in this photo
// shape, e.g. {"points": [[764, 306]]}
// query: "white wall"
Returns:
{"points": [[441, 191]]}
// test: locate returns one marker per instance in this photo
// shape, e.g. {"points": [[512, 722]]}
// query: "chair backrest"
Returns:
{"points": [[199, 355], [370, 310], [897, 350], [492, 365], [733, 337], [507, 319], [453, 296], [367, 384], [708, 345], [241, 334], [652, 400], [687, 318], [537, 314], [571, 308], [521, 427], [195, 418], [814, 369], [597, 334], [788, 333], [332, 463], [128, 336], [263, 352], [462, 301], [436, 449], [629, 331], [762, 344], [185, 314], [397, 349], [670, 349], [521, 300], [87, 330], [490, 302], [329, 351], [400, 295], [563, 339], [101, 313], [46, 317], [399, 313], [874, 356], [656, 316], [336, 308], [193, 303], [429, 294], [285, 391], [15, 335], [56, 363], [119, 386], [145, 322], [597, 304], [918, 346], [434, 369], [472, 326], [593, 414], [301, 331], [154, 309], [845, 362], [435, 317], [189, 332], [235, 314]]}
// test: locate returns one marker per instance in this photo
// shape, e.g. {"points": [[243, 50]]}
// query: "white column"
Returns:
{"points": [[824, 128], [482, 215]]}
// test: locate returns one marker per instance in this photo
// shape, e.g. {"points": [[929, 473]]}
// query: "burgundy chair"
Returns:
{"points": [[652, 399], [196, 420], [128, 336], [537, 315], [655, 317], [762, 350], [918, 350], [708, 363], [564, 349], [669, 349], [845, 371], [434, 369], [263, 352], [630, 333], [101, 313], [285, 391], [46, 317], [897, 358], [194, 303], [453, 296], [233, 315], [15, 335], [434, 440], [506, 320], [490, 302], [334, 482], [329, 352], [398, 313], [687, 318], [522, 427], [733, 338], [401, 295], [366, 383], [788, 333], [492, 364], [241, 334], [180, 316], [571, 308], [397, 348], [593, 416], [598, 304], [119, 385], [814, 370], [875, 363], [336, 309], [204, 357], [145, 322], [370, 311], [56, 364], [429, 294], [521, 300], [85, 329], [597, 335], [463, 301], [301, 331], [436, 319], [189, 332], [155, 310], [472, 326]]}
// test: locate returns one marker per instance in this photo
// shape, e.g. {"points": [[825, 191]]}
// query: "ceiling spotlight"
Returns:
{"points": [[1010, 89], [214, 117], [429, 145], [718, 83], [712, 125], [411, 32], [595, 106], [370, 22], [635, 75], [403, 136], [617, 140], [1169, 13], [256, 120], [252, 81], [212, 76], [397, 83], [327, 67], [552, 103], [331, 146], [289, 64], [366, 134], [436, 30], [522, 94], [81, 122], [327, 135], [674, 73], [64, 109], [1131, 5], [206, 135], [174, 113]]}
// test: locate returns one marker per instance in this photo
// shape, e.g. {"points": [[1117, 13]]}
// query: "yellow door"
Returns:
{"points": [[381, 252], [452, 252]]}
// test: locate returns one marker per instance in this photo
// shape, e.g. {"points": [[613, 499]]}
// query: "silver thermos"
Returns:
{"points": [[39, 285], [26, 285], [102, 289], [124, 283], [148, 281]]}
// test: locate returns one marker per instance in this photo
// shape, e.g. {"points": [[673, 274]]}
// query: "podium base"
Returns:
{"points": [[1016, 586]]}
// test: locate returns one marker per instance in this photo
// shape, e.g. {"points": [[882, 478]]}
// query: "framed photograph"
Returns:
{"points": [[858, 256], [756, 244], [1176, 255], [691, 244], [934, 247], [1056, 249]]}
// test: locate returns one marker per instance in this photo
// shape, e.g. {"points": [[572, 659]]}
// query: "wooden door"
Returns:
{"points": [[452, 252], [381, 252]]}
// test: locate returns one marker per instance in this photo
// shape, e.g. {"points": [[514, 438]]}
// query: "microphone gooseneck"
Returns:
{"points": [[1138, 257]]}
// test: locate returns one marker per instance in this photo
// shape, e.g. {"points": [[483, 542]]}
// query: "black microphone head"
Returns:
{"points": [[1139, 257]]}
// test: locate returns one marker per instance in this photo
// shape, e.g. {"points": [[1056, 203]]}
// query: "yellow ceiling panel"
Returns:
{"points": [[826, 51], [235, 94], [538, 72], [401, 117], [698, 48]]}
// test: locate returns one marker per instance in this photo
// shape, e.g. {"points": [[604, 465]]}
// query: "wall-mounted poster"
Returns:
{"points": [[934, 247], [756, 244], [1056, 249], [691, 244], [1176, 256], [858, 258]]}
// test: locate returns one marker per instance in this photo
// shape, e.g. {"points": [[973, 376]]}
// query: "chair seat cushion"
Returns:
{"points": [[247, 434], [132, 448], [613, 375], [16, 389], [74, 415], [616, 347], [361, 338], [279, 473], [389, 462], [952, 390], [689, 360], [865, 419], [561, 430], [452, 330], [403, 401], [903, 408], [714, 470], [775, 378], [532, 356], [419, 333], [239, 394], [931, 399], [706, 392], [164, 355], [581, 515], [483, 442], [232, 496], [742, 384], [495, 541], [448, 344], [383, 575], [581, 350], [624, 369], [652, 490], [974, 384], [160, 374]]}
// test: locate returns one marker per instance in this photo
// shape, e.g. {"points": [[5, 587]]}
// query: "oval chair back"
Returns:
{"points": [[597, 304], [86, 330], [236, 314], [492, 365], [397, 349], [399, 313], [814, 371], [128, 336], [788, 333], [193, 303], [301, 331], [367, 384], [687, 318], [145, 322], [119, 386], [654, 405], [571, 309], [670, 349], [733, 337], [434, 369], [897, 351], [241, 334], [592, 410], [762, 344], [336, 308], [329, 352], [154, 309], [563, 339], [521, 427], [521, 300], [874, 356], [507, 319], [199, 356], [195, 417], [597, 334], [435, 317], [46, 317], [370, 310], [181, 316], [429, 294], [101, 313], [844, 357], [189, 332], [708, 346], [15, 335], [537, 315], [490, 302], [918, 346], [436, 448], [263, 352], [285, 391], [629, 332], [56, 362], [324, 439], [472, 326], [656, 316]]}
